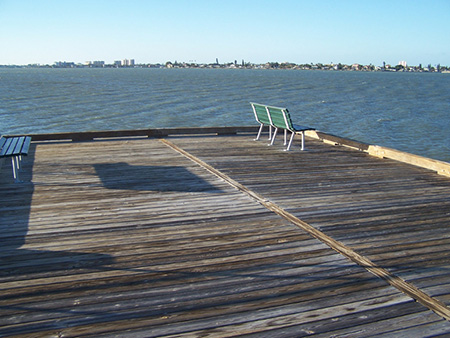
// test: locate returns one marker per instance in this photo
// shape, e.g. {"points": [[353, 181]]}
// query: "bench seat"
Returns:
{"points": [[14, 147]]}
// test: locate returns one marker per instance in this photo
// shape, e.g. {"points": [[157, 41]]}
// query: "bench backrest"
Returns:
{"points": [[14, 146], [2, 142], [261, 113], [280, 117]]}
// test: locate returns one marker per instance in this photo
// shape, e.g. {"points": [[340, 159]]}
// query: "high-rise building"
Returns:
{"points": [[128, 63], [98, 64]]}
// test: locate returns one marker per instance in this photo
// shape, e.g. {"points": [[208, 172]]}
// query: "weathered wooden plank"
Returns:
{"points": [[365, 325], [123, 256], [400, 205], [260, 322]]}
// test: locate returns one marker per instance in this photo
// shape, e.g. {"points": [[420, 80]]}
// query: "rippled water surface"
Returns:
{"points": [[406, 111]]}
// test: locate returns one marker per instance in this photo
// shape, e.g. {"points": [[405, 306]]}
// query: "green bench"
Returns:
{"points": [[262, 117], [14, 147], [278, 118]]}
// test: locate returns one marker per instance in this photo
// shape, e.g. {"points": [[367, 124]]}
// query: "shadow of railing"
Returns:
{"points": [[151, 178]]}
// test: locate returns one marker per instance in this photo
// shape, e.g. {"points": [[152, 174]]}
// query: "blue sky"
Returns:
{"points": [[258, 31]]}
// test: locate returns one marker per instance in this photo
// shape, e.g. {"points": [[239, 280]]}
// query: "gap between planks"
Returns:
{"points": [[433, 304]]}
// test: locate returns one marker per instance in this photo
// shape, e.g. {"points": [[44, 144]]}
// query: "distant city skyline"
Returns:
{"points": [[260, 31], [402, 66], [133, 63]]}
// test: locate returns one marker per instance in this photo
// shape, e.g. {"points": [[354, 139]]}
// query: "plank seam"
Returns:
{"points": [[433, 304]]}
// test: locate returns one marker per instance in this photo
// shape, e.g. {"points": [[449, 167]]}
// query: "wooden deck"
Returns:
{"points": [[219, 236]]}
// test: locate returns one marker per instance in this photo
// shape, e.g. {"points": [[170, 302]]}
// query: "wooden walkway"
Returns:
{"points": [[220, 236]]}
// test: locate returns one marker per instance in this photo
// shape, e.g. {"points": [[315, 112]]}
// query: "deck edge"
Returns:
{"points": [[440, 167]]}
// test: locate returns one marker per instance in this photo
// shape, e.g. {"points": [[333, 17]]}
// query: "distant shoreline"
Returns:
{"points": [[267, 66], [234, 65]]}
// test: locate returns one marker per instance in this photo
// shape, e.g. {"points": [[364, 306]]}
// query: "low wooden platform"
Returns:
{"points": [[218, 236]]}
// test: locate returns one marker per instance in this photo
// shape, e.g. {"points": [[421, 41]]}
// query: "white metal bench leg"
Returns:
{"points": [[274, 135], [259, 132], [20, 163], [15, 168], [290, 142], [302, 134], [285, 137]]}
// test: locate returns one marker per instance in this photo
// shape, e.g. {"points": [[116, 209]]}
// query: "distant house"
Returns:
{"points": [[98, 64], [64, 64]]}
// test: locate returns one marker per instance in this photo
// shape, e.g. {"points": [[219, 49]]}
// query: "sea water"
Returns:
{"points": [[405, 111]]}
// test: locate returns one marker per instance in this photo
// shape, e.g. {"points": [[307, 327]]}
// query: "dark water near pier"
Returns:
{"points": [[405, 111]]}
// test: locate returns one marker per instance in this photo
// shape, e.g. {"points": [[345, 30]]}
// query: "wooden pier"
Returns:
{"points": [[207, 233]]}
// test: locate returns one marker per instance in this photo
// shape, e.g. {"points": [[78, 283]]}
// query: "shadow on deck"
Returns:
{"points": [[151, 178]]}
